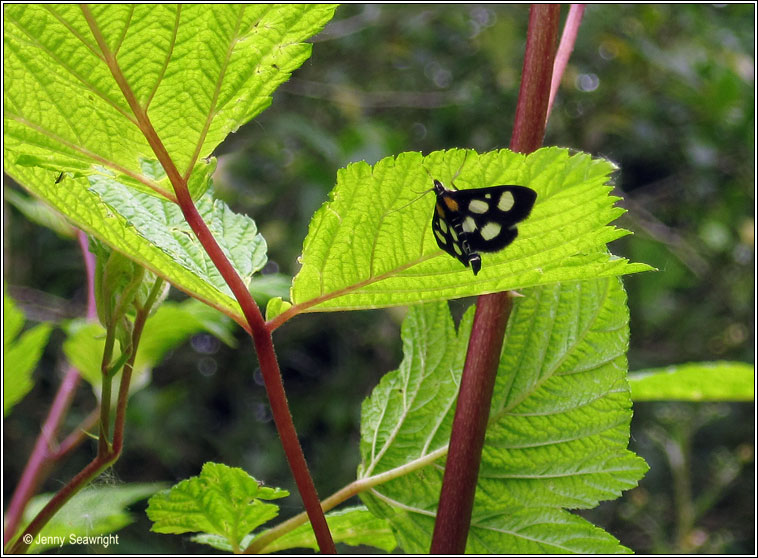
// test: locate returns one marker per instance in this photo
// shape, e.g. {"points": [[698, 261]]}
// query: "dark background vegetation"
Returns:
{"points": [[665, 91]]}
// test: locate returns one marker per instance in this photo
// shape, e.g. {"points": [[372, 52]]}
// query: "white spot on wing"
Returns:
{"points": [[506, 202], [469, 225], [478, 206], [490, 230]]}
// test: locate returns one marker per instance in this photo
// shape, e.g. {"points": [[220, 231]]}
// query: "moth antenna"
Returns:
{"points": [[427, 171], [432, 178], [452, 180], [465, 156], [422, 194]]}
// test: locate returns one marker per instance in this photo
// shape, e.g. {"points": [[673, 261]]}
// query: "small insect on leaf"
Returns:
{"points": [[60, 177], [466, 222]]}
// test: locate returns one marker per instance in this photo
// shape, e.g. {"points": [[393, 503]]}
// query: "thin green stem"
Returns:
{"points": [[104, 459], [105, 391], [265, 539]]}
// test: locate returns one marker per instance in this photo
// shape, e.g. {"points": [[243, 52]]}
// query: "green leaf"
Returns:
{"points": [[272, 285], [353, 526], [40, 213], [170, 326], [223, 501], [117, 282], [20, 359], [697, 381], [371, 244], [90, 518], [84, 348], [20, 353], [162, 223], [207, 319], [198, 71], [276, 306], [202, 70], [13, 319], [558, 429], [218, 541]]}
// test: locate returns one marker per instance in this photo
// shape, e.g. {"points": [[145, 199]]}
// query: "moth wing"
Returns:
{"points": [[444, 237], [489, 215], [514, 207], [504, 237]]}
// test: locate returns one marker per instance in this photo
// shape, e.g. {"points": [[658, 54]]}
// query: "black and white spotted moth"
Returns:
{"points": [[467, 222]]}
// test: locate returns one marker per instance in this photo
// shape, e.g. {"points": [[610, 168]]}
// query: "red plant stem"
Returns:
{"points": [[95, 467], [565, 48], [469, 426], [492, 311], [44, 453], [536, 77], [261, 335], [272, 378], [89, 266], [39, 461]]}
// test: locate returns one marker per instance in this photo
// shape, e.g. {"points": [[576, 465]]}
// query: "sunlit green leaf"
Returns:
{"points": [[276, 306], [696, 381], [20, 353], [170, 326], [558, 429], [197, 71], [162, 223], [371, 244], [39, 212], [223, 501], [353, 526]]}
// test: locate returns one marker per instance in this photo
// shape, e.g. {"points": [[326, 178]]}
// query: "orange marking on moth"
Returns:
{"points": [[440, 211], [451, 204]]}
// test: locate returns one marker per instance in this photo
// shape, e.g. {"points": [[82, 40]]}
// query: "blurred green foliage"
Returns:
{"points": [[665, 91]]}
